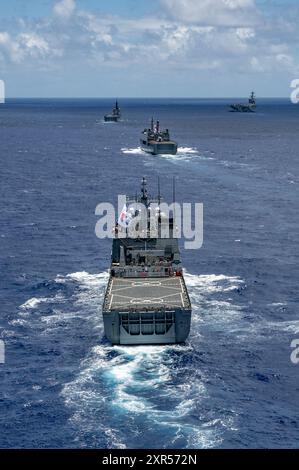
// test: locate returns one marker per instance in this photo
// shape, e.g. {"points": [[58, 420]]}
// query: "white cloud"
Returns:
{"points": [[245, 33], [9, 49], [213, 12], [34, 44], [99, 31], [285, 60], [177, 39], [64, 8], [201, 35]]}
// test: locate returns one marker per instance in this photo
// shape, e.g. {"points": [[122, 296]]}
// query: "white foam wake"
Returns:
{"points": [[141, 387], [158, 394], [187, 150], [33, 303], [133, 151], [182, 151], [211, 283], [150, 387], [62, 308]]}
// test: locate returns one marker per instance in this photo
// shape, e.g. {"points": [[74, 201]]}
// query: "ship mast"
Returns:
{"points": [[173, 198], [152, 124], [159, 192], [252, 98], [143, 191]]}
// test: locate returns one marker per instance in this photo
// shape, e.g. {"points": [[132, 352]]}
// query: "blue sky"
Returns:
{"points": [[187, 48], [36, 8]]}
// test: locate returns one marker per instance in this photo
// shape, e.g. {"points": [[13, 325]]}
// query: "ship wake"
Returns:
{"points": [[133, 151], [155, 396], [183, 152]]}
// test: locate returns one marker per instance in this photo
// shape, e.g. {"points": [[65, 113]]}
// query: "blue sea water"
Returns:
{"points": [[232, 384]]}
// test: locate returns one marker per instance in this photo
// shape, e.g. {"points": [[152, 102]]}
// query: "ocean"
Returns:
{"points": [[232, 385]]}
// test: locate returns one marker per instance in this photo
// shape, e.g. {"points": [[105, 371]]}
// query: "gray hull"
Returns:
{"points": [[242, 109], [111, 118], [147, 328], [160, 148]]}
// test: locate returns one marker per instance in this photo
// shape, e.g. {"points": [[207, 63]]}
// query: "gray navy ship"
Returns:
{"points": [[245, 108], [157, 142], [115, 115], [146, 300]]}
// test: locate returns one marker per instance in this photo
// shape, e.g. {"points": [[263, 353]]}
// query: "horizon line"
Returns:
{"points": [[139, 97]]}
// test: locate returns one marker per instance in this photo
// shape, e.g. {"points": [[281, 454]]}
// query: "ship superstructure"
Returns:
{"points": [[115, 115], [245, 108], [146, 300], [156, 141]]}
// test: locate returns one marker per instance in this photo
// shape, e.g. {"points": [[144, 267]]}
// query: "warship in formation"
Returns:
{"points": [[245, 108], [115, 115], [146, 299], [157, 142]]}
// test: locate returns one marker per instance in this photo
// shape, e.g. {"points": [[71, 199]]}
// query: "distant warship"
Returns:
{"points": [[157, 142], [115, 116], [245, 108], [146, 300]]}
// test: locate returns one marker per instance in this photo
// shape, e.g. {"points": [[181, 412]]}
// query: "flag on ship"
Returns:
{"points": [[125, 217]]}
